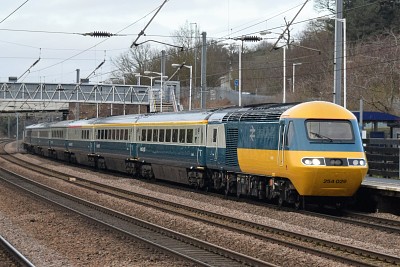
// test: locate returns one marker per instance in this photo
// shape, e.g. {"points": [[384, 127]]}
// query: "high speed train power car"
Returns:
{"points": [[286, 152]]}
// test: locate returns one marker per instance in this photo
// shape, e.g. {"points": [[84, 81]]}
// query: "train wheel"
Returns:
{"points": [[299, 203], [280, 201], [226, 190]]}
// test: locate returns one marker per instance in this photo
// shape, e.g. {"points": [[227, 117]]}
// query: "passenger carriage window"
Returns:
{"points": [[168, 135], [149, 134], [161, 135], [197, 136], [155, 135], [175, 135], [189, 136], [143, 134], [126, 134], [182, 135]]}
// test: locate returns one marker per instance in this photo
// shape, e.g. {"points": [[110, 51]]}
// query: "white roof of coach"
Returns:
{"points": [[82, 122], [60, 124], [132, 118], [175, 117], [38, 125]]}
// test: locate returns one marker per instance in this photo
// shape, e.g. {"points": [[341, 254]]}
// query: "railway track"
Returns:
{"points": [[390, 226], [155, 237], [11, 257], [324, 248]]}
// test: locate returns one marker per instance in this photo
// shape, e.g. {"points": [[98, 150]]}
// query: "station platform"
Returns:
{"points": [[379, 195], [387, 187]]}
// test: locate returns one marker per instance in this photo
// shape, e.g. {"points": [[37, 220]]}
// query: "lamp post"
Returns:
{"points": [[336, 78], [161, 85], [151, 89], [294, 71], [161, 90], [190, 81], [240, 75], [284, 74], [344, 63]]}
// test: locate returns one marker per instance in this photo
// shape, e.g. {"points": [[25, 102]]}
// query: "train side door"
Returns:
{"points": [[215, 145], [92, 142], [286, 141], [281, 143]]}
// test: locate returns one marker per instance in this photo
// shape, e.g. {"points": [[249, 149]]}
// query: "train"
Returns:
{"points": [[289, 153]]}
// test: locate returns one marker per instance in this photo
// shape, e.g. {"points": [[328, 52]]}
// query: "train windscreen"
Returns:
{"points": [[329, 130]]}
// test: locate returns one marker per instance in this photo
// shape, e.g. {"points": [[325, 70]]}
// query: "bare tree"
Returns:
{"points": [[136, 60]]}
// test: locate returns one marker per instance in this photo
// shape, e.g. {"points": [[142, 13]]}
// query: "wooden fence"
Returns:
{"points": [[383, 157]]}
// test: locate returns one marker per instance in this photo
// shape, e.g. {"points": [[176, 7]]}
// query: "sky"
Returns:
{"points": [[51, 30]]}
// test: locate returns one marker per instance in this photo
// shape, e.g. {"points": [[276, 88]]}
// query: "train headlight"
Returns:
{"points": [[313, 161], [316, 162], [357, 162]]}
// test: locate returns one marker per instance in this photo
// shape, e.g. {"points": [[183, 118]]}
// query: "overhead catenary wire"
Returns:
{"points": [[101, 42]]}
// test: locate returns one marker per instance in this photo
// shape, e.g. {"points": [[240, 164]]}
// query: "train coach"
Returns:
{"points": [[285, 152]]}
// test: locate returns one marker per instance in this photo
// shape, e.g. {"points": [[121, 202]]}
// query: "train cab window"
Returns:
{"points": [[161, 135], [155, 135], [143, 135], [175, 135], [290, 135], [168, 135], [182, 135], [149, 133], [189, 136], [329, 131]]}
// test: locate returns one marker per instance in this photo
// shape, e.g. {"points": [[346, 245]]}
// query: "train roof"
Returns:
{"points": [[260, 113], [122, 119], [59, 124], [181, 117], [319, 110], [39, 125], [80, 123]]}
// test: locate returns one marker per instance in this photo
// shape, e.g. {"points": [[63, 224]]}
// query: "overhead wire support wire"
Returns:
{"points": [[29, 69], [137, 44], [142, 31], [98, 67], [14, 11], [288, 25]]}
